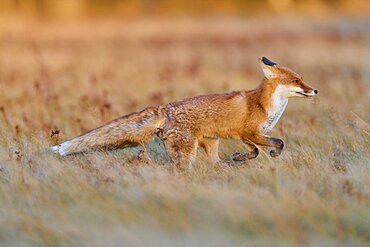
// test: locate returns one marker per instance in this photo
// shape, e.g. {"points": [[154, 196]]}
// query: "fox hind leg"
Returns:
{"points": [[182, 150]]}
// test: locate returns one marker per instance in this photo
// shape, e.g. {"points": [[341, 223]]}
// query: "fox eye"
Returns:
{"points": [[295, 80]]}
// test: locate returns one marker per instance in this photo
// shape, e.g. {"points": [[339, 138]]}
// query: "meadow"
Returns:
{"points": [[58, 80]]}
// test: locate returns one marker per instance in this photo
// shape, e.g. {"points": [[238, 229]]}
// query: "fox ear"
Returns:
{"points": [[269, 68]]}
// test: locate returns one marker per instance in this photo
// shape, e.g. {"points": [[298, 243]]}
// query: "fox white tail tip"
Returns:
{"points": [[61, 149]]}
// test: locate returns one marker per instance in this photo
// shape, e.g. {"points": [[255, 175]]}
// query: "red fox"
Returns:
{"points": [[202, 120]]}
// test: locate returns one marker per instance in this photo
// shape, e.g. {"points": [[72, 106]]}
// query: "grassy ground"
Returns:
{"points": [[57, 81]]}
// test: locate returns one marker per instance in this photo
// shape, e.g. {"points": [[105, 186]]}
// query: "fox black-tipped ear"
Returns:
{"points": [[268, 62], [269, 68]]}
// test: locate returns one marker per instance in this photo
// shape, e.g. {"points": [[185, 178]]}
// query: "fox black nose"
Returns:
{"points": [[315, 91]]}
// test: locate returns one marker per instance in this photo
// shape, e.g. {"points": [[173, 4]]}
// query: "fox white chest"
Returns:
{"points": [[279, 103]]}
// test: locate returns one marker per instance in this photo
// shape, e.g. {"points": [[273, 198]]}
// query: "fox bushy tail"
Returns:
{"points": [[129, 130]]}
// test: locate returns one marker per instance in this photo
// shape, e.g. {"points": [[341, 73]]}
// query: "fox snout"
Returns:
{"points": [[299, 88], [313, 91], [307, 93]]}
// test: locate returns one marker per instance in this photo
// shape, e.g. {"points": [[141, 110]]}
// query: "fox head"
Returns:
{"points": [[290, 84]]}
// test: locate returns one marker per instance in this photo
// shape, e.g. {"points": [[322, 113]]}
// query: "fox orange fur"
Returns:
{"points": [[201, 121]]}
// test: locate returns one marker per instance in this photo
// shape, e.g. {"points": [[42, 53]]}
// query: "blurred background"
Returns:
{"points": [[153, 8]]}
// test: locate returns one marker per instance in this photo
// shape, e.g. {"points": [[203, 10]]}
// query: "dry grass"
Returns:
{"points": [[66, 79]]}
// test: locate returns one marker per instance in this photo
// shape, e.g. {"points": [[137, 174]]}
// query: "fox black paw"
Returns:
{"points": [[239, 157], [274, 153]]}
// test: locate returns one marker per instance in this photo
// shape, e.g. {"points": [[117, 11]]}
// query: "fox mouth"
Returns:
{"points": [[307, 93]]}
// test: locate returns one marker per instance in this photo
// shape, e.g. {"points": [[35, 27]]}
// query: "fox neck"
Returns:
{"points": [[275, 101]]}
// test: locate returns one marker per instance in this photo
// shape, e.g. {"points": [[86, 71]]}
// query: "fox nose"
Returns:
{"points": [[315, 91]]}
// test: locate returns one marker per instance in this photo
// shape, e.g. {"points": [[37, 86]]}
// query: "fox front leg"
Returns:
{"points": [[269, 141], [210, 146], [251, 154]]}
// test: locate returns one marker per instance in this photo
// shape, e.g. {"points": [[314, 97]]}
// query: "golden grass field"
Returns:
{"points": [[58, 80]]}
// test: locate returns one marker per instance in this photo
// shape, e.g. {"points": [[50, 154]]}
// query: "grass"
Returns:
{"points": [[57, 81]]}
